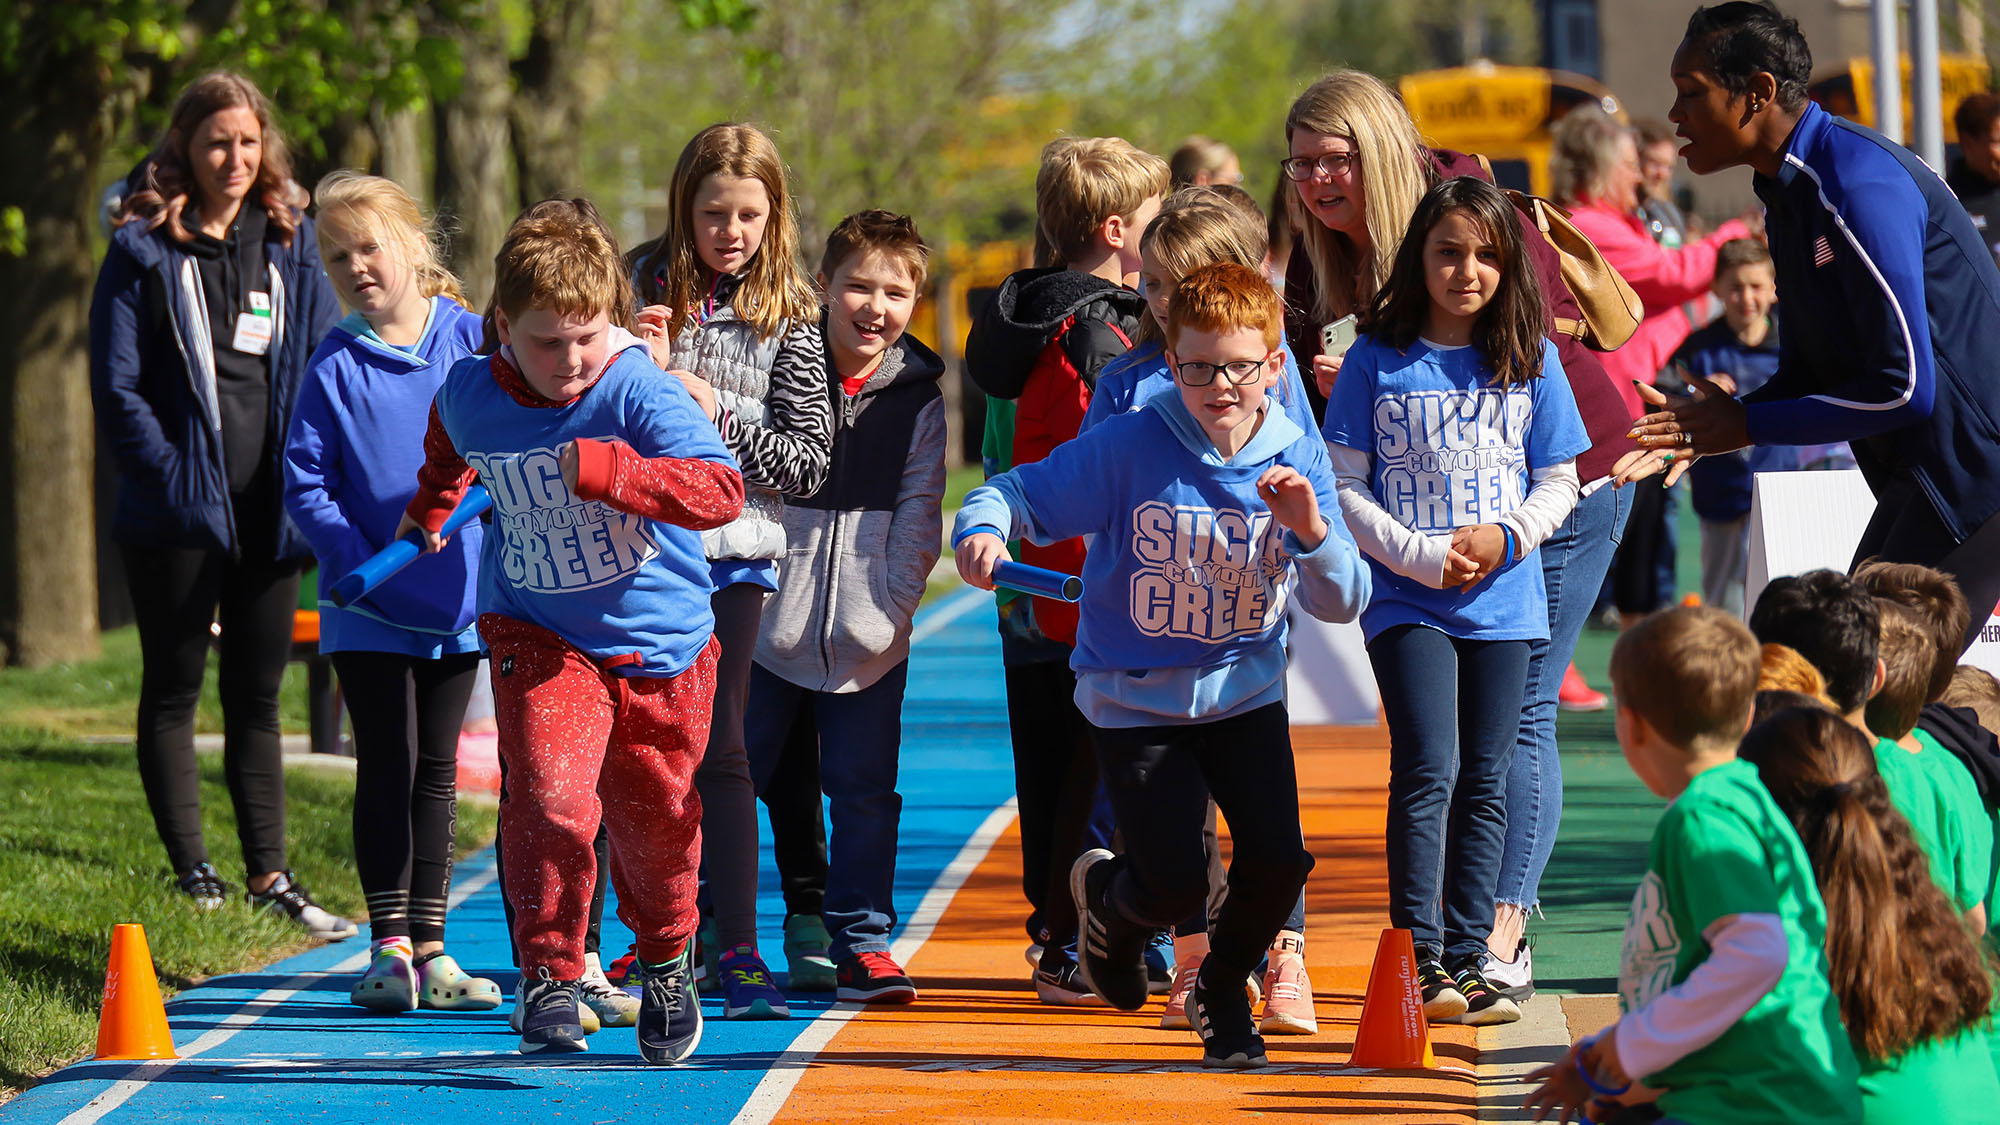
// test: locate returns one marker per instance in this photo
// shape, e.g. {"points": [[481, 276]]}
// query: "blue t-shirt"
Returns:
{"points": [[1447, 449]]}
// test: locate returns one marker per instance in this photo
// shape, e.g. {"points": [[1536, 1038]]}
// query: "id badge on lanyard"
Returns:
{"points": [[254, 326]]}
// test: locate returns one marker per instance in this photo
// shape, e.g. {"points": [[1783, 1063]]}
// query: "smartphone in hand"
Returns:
{"points": [[1336, 338]]}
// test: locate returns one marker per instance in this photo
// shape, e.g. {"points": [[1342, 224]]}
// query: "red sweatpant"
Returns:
{"points": [[581, 744]]}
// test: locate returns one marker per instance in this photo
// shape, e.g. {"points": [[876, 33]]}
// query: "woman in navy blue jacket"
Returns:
{"points": [[209, 303], [1892, 305]]}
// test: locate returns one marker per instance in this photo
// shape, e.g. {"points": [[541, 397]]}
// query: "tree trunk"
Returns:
{"points": [[471, 143], [556, 80], [402, 149], [48, 580]]}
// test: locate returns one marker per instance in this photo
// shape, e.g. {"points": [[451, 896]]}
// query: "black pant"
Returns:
{"points": [[175, 596], [1159, 780], [406, 712], [1906, 529], [1645, 560], [1454, 712], [1055, 782], [728, 799], [798, 818]]}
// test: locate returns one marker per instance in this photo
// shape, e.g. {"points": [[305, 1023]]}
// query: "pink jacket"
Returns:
{"points": [[1662, 278]]}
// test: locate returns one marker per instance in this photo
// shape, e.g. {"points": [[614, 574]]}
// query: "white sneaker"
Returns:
{"points": [[614, 1006], [1515, 979]]}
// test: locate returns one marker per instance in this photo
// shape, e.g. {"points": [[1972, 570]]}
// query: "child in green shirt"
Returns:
{"points": [[1909, 975], [1728, 1013]]}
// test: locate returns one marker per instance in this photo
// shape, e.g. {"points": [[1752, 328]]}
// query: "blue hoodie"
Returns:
{"points": [[627, 591], [351, 461], [1128, 381], [1187, 580]]}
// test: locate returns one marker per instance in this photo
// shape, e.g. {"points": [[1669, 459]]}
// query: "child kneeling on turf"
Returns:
{"points": [[1723, 981], [593, 600], [1205, 503]]}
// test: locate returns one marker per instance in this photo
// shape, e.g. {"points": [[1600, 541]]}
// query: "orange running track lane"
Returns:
{"points": [[977, 1046]]}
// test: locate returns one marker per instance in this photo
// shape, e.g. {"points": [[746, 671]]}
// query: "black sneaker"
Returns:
{"points": [[1228, 1033], [1484, 1004], [204, 885], [1442, 999], [550, 1021], [669, 1010], [1110, 951], [1058, 982], [287, 896]]}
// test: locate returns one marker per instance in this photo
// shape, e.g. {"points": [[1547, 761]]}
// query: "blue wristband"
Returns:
{"points": [[1590, 1079], [1507, 534]]}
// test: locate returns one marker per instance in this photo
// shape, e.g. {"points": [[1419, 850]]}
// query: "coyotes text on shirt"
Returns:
{"points": [[552, 542], [1451, 458], [1207, 574]]}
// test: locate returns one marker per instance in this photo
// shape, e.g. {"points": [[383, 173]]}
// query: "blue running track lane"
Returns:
{"points": [[284, 1045]]}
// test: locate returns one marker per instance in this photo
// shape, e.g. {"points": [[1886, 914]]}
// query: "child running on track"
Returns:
{"points": [[1916, 1018], [406, 654], [1728, 1016], [746, 342], [833, 655], [593, 599], [1453, 434], [1199, 227], [1205, 504]]}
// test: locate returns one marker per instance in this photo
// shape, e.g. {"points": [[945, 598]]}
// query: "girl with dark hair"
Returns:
{"points": [[1912, 981], [208, 306], [1893, 299], [1453, 436]]}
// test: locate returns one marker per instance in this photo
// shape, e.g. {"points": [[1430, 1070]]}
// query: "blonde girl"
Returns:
{"points": [[744, 326], [406, 654]]}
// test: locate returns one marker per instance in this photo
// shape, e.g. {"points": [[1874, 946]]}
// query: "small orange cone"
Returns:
{"points": [[1393, 1034], [133, 1024]]}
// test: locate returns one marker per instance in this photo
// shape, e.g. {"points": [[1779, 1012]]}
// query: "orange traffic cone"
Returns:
{"points": [[133, 1024], [1393, 1034]]}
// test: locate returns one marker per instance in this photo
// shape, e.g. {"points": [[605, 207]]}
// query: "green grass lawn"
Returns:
{"points": [[78, 854]]}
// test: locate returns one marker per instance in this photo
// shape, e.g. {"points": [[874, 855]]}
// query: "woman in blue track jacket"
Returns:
{"points": [[1892, 305], [209, 303]]}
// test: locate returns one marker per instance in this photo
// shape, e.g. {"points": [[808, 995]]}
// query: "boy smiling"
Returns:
{"points": [[1207, 505]]}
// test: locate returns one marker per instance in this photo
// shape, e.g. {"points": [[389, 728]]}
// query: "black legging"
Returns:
{"points": [[407, 713], [175, 597]]}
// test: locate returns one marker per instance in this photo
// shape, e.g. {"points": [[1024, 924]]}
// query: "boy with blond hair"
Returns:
{"points": [[1207, 507], [593, 603], [1036, 349], [1728, 1015]]}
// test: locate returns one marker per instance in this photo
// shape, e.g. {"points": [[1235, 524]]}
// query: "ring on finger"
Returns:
{"points": [[1687, 438]]}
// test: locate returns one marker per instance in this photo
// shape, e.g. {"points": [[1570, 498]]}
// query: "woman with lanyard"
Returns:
{"points": [[210, 301], [1892, 303], [1360, 168]]}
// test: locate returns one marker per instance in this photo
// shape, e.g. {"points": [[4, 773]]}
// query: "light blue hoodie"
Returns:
{"points": [[1189, 574]]}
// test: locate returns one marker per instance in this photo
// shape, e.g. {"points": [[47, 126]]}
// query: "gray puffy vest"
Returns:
{"points": [[727, 352]]}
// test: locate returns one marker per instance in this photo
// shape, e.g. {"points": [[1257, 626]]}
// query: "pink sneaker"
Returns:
{"points": [[1576, 694], [1288, 998]]}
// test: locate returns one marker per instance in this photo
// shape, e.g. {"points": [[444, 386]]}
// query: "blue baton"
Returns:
{"points": [[387, 561], [1038, 581]]}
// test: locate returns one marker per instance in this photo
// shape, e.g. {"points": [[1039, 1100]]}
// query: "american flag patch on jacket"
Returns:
{"points": [[1822, 251]]}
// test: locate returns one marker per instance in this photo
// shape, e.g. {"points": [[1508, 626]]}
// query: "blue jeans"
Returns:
{"points": [[860, 739], [1452, 706], [1574, 562]]}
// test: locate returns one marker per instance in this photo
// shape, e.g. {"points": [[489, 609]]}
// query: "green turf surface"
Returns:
{"points": [[1607, 819]]}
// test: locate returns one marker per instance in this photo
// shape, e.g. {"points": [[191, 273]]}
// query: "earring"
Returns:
{"points": [[1756, 105]]}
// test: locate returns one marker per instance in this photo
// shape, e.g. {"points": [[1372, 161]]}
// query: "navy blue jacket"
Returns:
{"points": [[1892, 306], [152, 380]]}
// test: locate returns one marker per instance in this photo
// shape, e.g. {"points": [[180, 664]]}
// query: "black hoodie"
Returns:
{"points": [[1957, 729], [1029, 311]]}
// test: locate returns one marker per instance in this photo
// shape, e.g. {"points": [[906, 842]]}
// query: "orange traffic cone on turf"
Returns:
{"points": [[133, 1023], [1394, 1035]]}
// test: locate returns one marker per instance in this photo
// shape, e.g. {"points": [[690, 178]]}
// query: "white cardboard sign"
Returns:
{"points": [[1330, 680]]}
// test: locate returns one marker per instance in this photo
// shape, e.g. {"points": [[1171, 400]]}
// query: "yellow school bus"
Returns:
{"points": [[1503, 113], [960, 290], [1850, 91]]}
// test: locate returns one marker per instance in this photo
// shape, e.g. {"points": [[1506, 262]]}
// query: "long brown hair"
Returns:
{"points": [[1902, 961], [667, 270], [168, 173], [1508, 331]]}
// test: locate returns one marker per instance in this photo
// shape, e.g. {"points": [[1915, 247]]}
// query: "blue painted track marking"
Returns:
{"points": [[285, 1045]]}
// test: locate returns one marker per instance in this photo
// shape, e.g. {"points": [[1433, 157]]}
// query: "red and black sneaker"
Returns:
{"points": [[874, 978], [621, 972]]}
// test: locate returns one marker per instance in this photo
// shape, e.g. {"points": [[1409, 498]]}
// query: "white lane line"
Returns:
{"points": [[769, 1097], [954, 606], [131, 1081]]}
